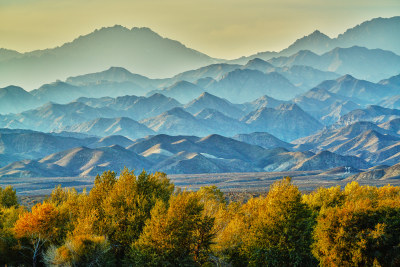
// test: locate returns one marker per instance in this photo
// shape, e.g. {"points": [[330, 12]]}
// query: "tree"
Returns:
{"points": [[324, 198], [119, 208], [171, 236], [275, 230], [39, 227], [365, 231], [9, 249], [8, 197], [81, 250]]}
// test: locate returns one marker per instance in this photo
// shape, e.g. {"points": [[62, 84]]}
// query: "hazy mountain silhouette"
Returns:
{"points": [[14, 99], [380, 33], [139, 49], [362, 63]]}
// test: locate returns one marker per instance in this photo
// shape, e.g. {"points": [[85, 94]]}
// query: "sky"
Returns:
{"points": [[220, 28]]}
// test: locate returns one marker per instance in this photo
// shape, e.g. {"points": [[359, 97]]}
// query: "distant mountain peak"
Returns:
{"points": [[318, 34], [118, 69], [178, 111], [157, 96], [346, 77], [12, 88], [289, 106]]}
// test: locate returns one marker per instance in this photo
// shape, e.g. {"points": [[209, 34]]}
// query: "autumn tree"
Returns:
{"points": [[10, 252], [171, 236], [40, 227], [275, 230], [323, 198], [81, 250], [365, 231], [119, 207]]}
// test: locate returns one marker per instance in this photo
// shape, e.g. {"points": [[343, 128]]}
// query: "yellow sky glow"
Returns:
{"points": [[219, 28]]}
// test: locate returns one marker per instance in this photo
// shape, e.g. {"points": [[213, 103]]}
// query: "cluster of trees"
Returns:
{"points": [[145, 221]]}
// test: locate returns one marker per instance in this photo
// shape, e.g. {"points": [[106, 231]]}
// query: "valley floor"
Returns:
{"points": [[251, 182]]}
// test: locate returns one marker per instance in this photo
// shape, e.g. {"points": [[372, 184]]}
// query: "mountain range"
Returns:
{"points": [[380, 33], [129, 97]]}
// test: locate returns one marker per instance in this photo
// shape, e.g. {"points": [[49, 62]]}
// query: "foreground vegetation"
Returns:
{"points": [[145, 221]]}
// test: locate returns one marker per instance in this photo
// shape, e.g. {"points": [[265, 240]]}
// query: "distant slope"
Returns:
{"points": [[220, 123], [372, 113], [182, 91], [139, 49], [365, 140], [287, 122], [263, 139], [328, 107], [113, 74], [330, 137], [350, 87], [209, 101], [328, 160], [241, 86], [176, 122], [134, 107], [262, 102], [14, 99], [392, 172], [80, 161], [52, 116], [360, 62], [380, 33], [25, 144], [111, 126]]}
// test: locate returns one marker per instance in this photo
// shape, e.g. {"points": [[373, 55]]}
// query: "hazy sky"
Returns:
{"points": [[219, 28]]}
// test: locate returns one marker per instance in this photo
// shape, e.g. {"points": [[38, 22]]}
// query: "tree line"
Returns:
{"points": [[143, 220]]}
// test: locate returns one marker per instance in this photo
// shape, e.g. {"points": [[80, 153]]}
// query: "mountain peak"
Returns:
{"points": [[346, 78], [178, 111], [118, 69], [143, 30], [207, 95], [289, 106], [318, 34]]}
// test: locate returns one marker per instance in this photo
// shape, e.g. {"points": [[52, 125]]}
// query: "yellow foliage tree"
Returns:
{"points": [[40, 226]]}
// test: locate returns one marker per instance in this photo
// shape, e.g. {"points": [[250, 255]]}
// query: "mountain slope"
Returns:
{"points": [[14, 99], [392, 172], [176, 122], [326, 106], [241, 86], [52, 116], [182, 91], [366, 91], [287, 122], [372, 113], [220, 123], [360, 62], [380, 33], [111, 126], [264, 140], [80, 161], [138, 49], [329, 160], [134, 107], [209, 101]]}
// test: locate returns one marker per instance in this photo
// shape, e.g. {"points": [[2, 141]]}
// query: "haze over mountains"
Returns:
{"points": [[143, 101], [144, 52]]}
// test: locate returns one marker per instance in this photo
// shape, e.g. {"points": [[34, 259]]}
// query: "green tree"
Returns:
{"points": [[8, 197]]}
